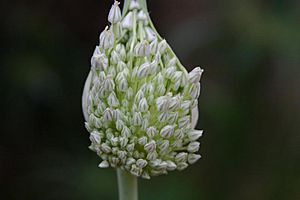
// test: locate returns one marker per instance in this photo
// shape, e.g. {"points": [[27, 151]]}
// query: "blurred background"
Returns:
{"points": [[249, 106]]}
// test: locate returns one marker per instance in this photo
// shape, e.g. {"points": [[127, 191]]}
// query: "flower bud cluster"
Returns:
{"points": [[138, 99]]}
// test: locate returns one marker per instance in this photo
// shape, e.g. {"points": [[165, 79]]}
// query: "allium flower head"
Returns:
{"points": [[139, 102]]}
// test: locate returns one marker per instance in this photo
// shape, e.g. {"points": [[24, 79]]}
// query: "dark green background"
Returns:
{"points": [[249, 106]]}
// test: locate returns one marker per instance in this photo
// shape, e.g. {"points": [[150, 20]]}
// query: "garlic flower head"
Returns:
{"points": [[140, 104]]}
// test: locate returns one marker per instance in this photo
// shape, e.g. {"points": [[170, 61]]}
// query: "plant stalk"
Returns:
{"points": [[128, 186]]}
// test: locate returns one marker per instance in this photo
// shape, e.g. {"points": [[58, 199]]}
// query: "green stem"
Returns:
{"points": [[128, 186]]}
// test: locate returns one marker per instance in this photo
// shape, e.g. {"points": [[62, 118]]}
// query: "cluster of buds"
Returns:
{"points": [[139, 102]]}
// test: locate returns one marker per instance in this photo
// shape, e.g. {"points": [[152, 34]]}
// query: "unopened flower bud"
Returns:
{"points": [[192, 158], [162, 46], [142, 48], [193, 147], [181, 157], [114, 15], [106, 39], [128, 21], [167, 131], [134, 5], [150, 146], [142, 16], [141, 163], [195, 75], [151, 132], [195, 134], [104, 164]]}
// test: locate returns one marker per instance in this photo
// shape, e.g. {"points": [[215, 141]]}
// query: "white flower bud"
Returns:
{"points": [[145, 124], [143, 70], [170, 72], [142, 140], [88, 127], [145, 175], [174, 103], [172, 117], [114, 58], [152, 155], [142, 48], [142, 16], [134, 5], [137, 119], [114, 141], [162, 46], [177, 76], [95, 137], [107, 115], [185, 106], [172, 62], [99, 60], [167, 131], [126, 132], [112, 100], [123, 141], [182, 166], [106, 39], [164, 146], [181, 157], [162, 166], [171, 165], [195, 75], [151, 36], [130, 147], [195, 134], [109, 133], [161, 90], [114, 15], [117, 114], [102, 76], [192, 158], [151, 132], [105, 148], [159, 79], [143, 105], [193, 147], [122, 154], [120, 67], [98, 123], [108, 84], [129, 93], [136, 171], [195, 90], [123, 85], [150, 146], [104, 164], [130, 161], [162, 103], [163, 117], [128, 21], [120, 48], [141, 163], [119, 125], [184, 121], [112, 71]]}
